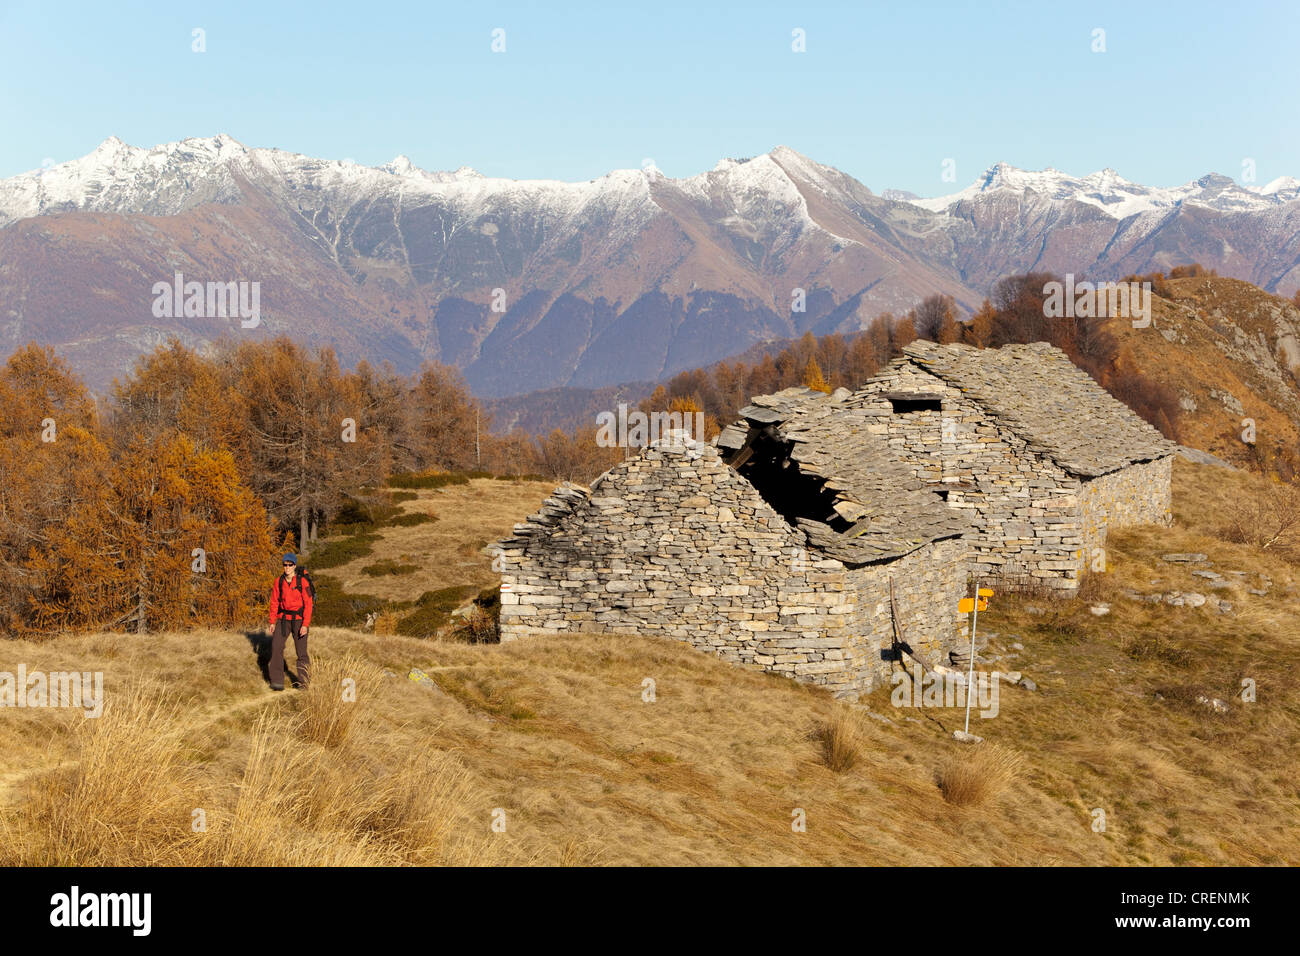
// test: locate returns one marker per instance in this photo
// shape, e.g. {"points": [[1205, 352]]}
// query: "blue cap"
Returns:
{"points": [[291, 557]]}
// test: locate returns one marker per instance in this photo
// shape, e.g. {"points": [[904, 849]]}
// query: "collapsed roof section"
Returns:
{"points": [[1047, 400], [813, 460]]}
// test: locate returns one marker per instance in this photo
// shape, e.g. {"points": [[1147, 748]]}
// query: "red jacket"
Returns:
{"points": [[297, 600]]}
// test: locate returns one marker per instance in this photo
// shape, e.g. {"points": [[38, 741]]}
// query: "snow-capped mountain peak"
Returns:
{"points": [[166, 179], [1284, 187], [1114, 195], [627, 276], [169, 178], [401, 166]]}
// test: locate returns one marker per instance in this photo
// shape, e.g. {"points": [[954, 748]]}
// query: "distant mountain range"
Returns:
{"points": [[631, 277]]}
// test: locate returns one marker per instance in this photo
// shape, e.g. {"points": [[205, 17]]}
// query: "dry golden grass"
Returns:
{"points": [[840, 740], [1205, 360], [978, 775], [551, 737], [297, 806], [309, 778], [122, 795], [328, 709], [449, 550]]}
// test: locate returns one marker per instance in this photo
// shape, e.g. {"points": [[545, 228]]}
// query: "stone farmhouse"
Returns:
{"points": [[823, 537], [675, 542], [1040, 456]]}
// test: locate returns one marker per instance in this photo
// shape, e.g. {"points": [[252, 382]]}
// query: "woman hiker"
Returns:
{"points": [[291, 606]]}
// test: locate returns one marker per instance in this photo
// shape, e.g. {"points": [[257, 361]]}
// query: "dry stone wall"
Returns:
{"points": [[1138, 494], [927, 587], [1025, 508], [675, 543]]}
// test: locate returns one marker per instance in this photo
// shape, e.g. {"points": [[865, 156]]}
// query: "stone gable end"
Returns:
{"points": [[675, 543], [1025, 509]]}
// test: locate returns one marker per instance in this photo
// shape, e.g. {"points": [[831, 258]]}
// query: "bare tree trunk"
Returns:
{"points": [[140, 623]]}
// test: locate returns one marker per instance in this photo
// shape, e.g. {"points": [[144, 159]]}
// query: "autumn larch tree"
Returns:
{"points": [[446, 418], [308, 444], [979, 330], [174, 389], [53, 464], [812, 377], [193, 543]]}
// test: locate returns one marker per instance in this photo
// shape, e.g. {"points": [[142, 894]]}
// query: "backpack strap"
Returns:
{"points": [[280, 584]]}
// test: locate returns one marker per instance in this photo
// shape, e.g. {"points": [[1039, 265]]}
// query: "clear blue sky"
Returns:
{"points": [[885, 91]]}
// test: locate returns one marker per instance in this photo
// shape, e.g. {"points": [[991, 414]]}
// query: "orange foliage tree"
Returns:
{"points": [[444, 419], [812, 377], [309, 440], [161, 534], [184, 543], [175, 389], [53, 462]]}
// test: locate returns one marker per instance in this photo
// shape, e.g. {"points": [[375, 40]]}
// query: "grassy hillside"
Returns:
{"points": [[555, 733], [1229, 351], [420, 556]]}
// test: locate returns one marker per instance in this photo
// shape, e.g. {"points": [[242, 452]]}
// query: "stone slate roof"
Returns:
{"points": [[890, 512], [1047, 400]]}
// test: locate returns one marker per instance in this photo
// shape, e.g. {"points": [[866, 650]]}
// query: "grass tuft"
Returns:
{"points": [[977, 774], [328, 707], [841, 740]]}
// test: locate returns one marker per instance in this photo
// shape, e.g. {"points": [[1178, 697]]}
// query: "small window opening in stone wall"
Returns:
{"points": [[785, 488], [903, 404]]}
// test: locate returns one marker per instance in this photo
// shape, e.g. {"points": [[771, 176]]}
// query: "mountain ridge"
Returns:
{"points": [[539, 284]]}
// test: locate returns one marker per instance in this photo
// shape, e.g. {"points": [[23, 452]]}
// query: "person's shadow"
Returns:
{"points": [[261, 645]]}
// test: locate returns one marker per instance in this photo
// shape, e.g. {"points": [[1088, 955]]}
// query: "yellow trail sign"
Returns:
{"points": [[966, 605]]}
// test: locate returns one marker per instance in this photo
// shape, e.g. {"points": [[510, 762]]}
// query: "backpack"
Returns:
{"points": [[301, 577]]}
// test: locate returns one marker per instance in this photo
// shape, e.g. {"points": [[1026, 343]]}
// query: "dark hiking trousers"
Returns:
{"points": [[287, 627]]}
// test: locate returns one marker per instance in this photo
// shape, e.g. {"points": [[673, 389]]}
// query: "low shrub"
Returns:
{"points": [[433, 611], [388, 567], [412, 519], [482, 625], [331, 554], [441, 479], [359, 515], [336, 608]]}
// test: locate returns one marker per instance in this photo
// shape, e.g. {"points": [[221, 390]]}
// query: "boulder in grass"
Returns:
{"points": [[424, 680]]}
